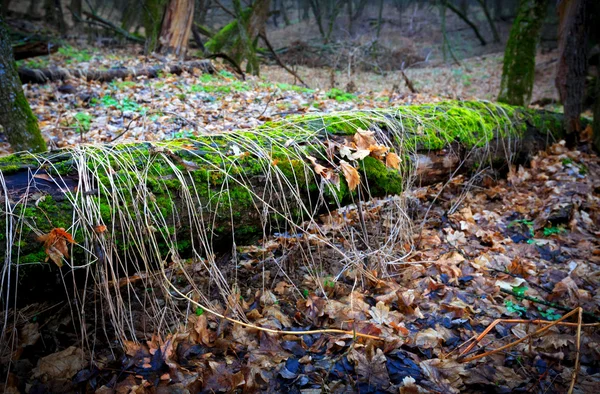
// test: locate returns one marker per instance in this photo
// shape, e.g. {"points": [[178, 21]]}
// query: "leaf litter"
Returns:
{"points": [[482, 253]]}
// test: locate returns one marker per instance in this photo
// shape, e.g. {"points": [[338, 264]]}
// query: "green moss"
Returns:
{"points": [[381, 180], [518, 71]]}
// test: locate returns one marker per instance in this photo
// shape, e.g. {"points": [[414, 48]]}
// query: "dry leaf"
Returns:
{"points": [[364, 139], [319, 169], [55, 245], [360, 154], [378, 151], [392, 160], [61, 365], [351, 174]]}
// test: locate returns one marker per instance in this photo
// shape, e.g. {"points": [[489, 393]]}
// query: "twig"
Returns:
{"points": [[547, 303], [577, 352], [514, 343], [113, 27], [228, 59], [408, 83], [478, 338], [227, 10], [278, 59]]}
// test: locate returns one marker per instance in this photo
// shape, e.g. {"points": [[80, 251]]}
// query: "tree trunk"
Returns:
{"points": [[574, 26], [214, 188], [176, 27], [596, 124], [152, 17], [76, 8], [490, 20], [518, 72], [465, 19], [44, 75], [34, 47], [18, 121]]}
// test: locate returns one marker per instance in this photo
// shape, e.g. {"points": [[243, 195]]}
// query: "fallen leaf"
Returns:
{"points": [[351, 174], [55, 245], [364, 139], [392, 160], [371, 367], [61, 365]]}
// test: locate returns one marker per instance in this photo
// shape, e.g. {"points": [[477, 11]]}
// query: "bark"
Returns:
{"points": [[151, 19], [44, 75], [596, 124], [33, 48], [242, 184], [176, 27], [518, 72], [574, 26], [16, 118]]}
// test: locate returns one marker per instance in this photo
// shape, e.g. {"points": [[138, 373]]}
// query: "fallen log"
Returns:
{"points": [[44, 75], [158, 199], [33, 48]]}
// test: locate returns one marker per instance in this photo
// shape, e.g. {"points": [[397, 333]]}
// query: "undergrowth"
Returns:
{"points": [[166, 207]]}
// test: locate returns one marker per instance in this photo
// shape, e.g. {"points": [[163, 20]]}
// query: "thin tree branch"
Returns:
{"points": [[278, 59]]}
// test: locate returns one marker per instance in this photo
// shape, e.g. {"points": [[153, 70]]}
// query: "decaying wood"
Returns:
{"points": [[176, 27], [44, 75], [33, 48], [235, 189]]}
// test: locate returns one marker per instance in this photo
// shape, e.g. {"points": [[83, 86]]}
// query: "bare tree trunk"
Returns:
{"points": [[5, 7], [76, 8], [519, 57], [490, 20], [18, 121], [464, 17], [596, 125], [574, 27], [176, 27]]}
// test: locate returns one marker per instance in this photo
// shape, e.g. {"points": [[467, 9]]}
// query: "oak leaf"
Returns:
{"points": [[55, 245], [351, 174], [392, 160], [364, 139]]}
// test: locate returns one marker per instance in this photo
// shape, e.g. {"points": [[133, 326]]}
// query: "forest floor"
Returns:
{"points": [[480, 250]]}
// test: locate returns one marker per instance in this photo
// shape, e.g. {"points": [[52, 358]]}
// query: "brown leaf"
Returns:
{"points": [[351, 174], [319, 169], [392, 160], [55, 245], [378, 151], [370, 367], [364, 139], [62, 365]]}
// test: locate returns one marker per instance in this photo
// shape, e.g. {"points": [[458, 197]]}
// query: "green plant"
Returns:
{"points": [[125, 104], [515, 308], [550, 314], [199, 311], [340, 95], [519, 291], [121, 85], [226, 74], [72, 54], [548, 231], [84, 121], [328, 283]]}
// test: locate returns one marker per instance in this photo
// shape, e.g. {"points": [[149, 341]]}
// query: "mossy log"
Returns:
{"points": [[200, 193], [44, 75]]}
